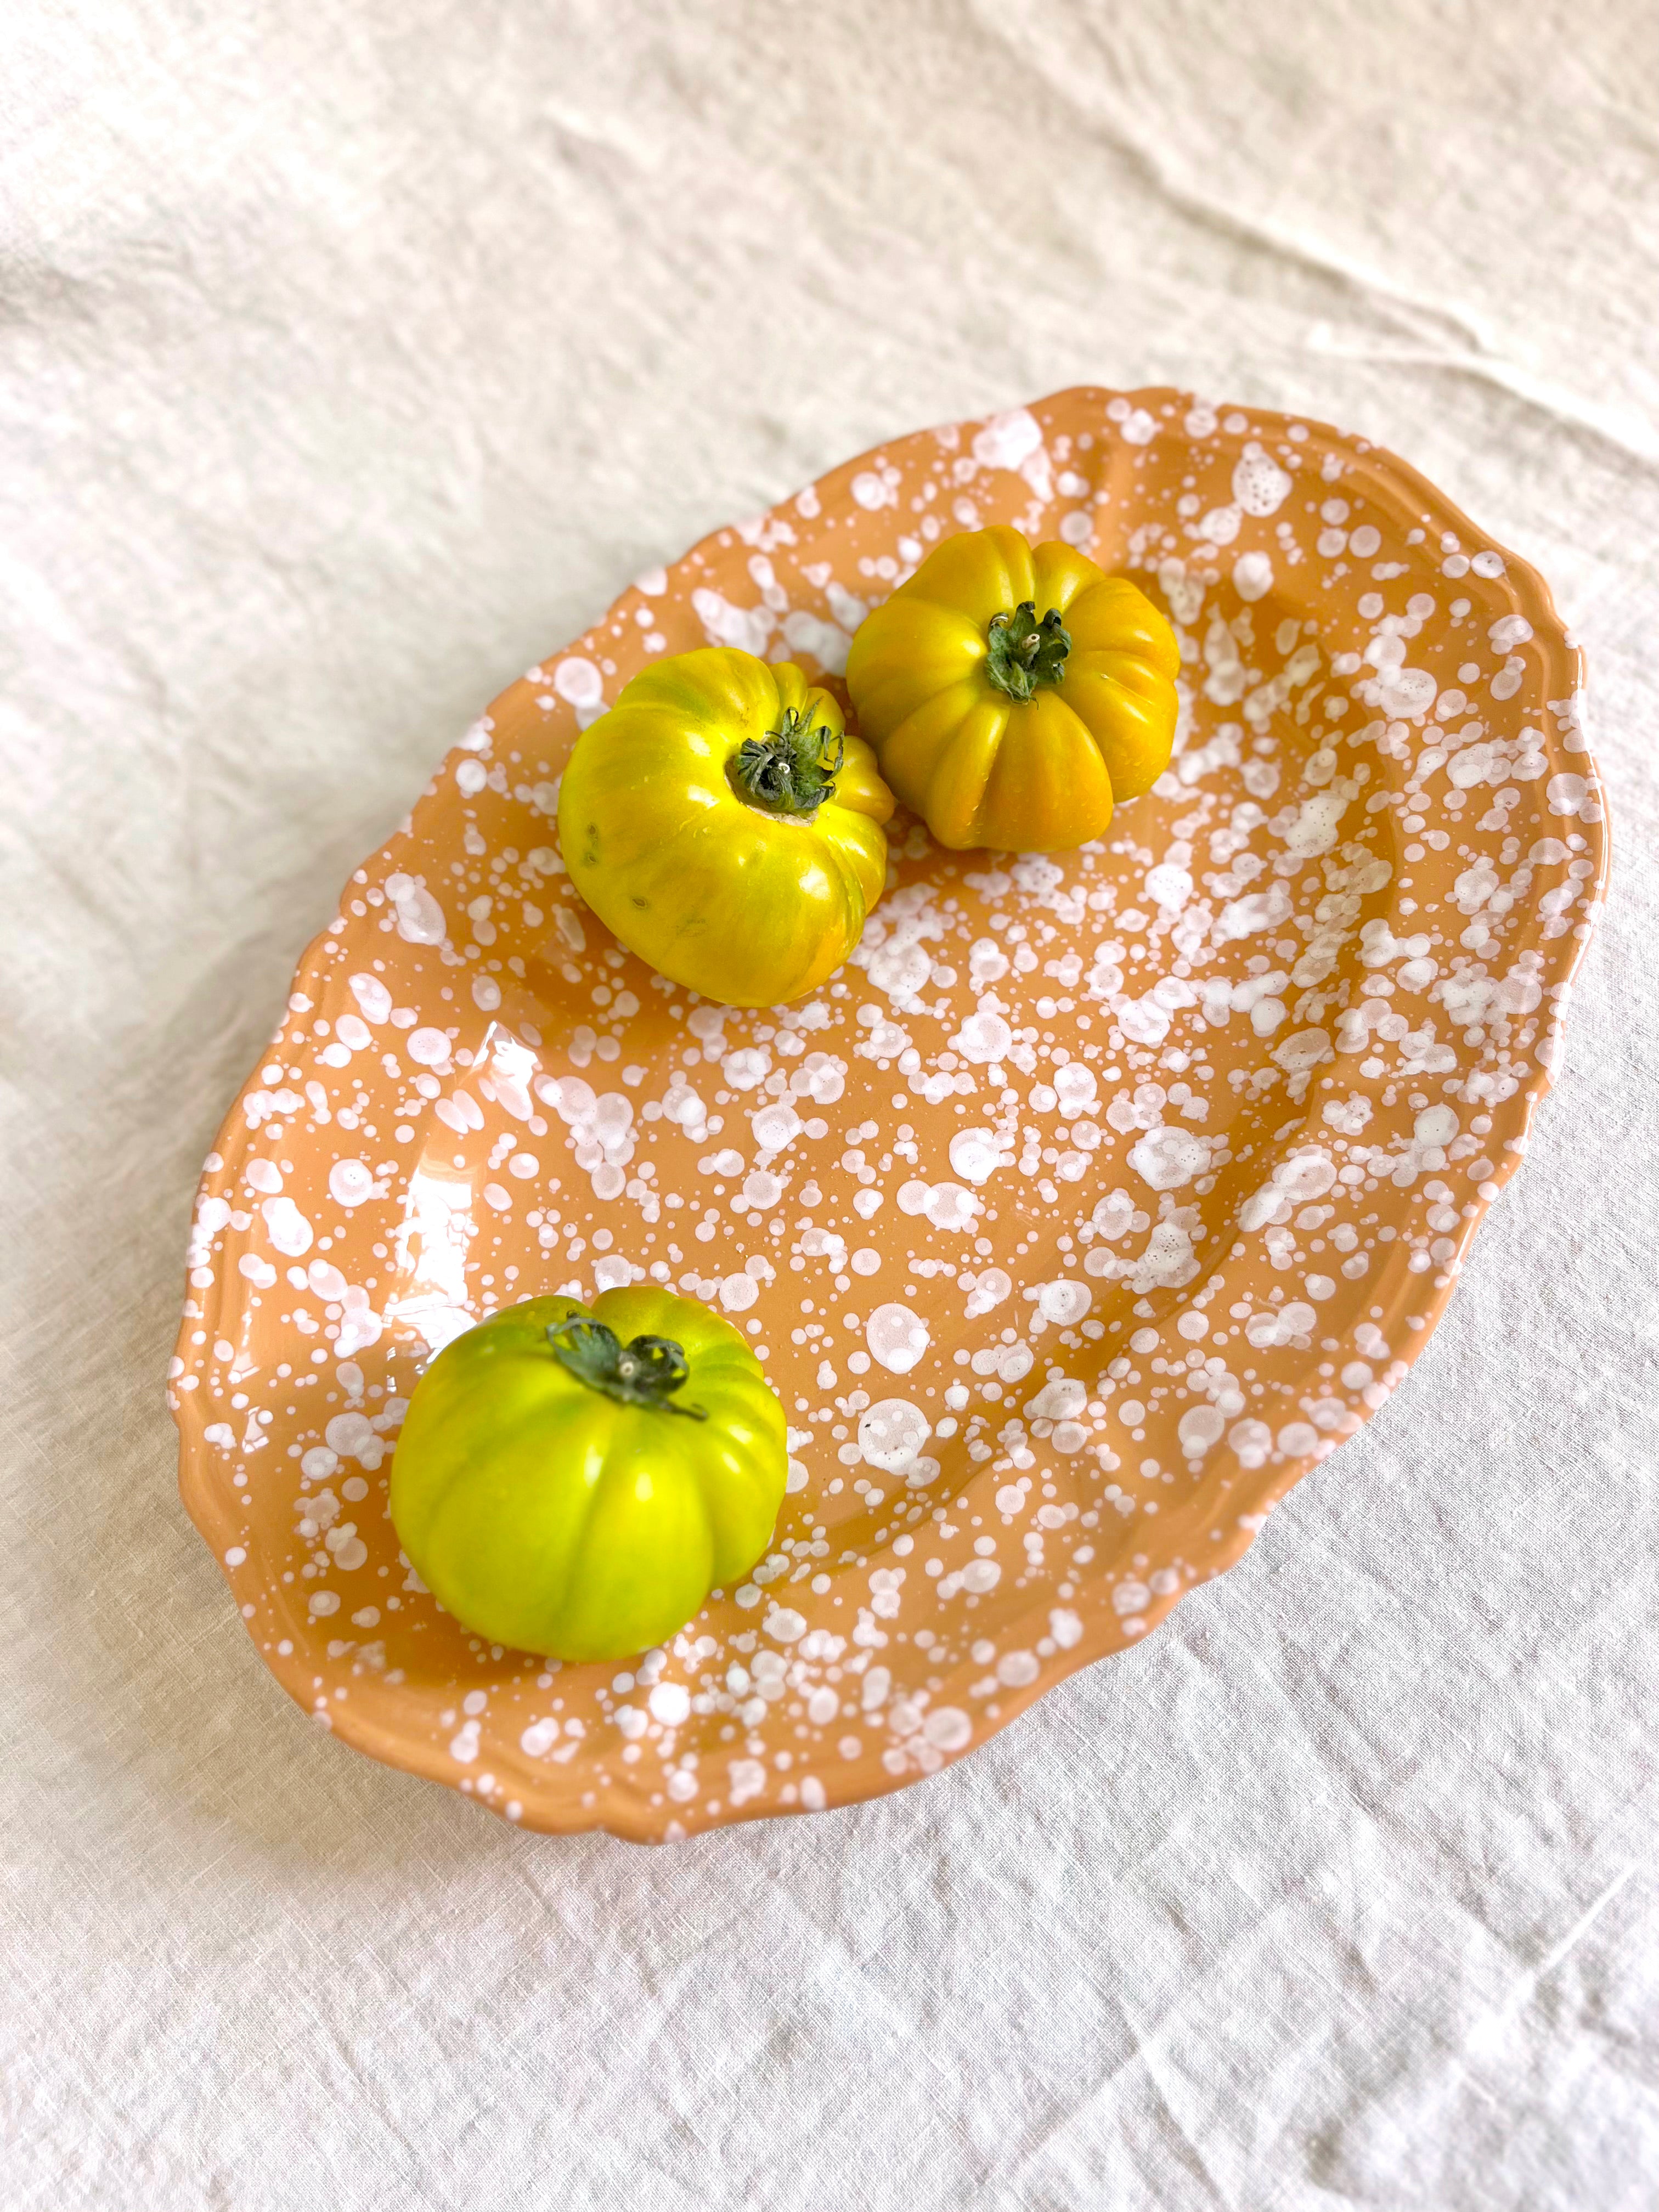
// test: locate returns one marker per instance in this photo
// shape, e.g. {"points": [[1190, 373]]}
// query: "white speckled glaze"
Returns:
{"points": [[1094, 1201]]}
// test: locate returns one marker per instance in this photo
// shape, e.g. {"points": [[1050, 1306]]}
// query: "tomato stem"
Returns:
{"points": [[1023, 651], [646, 1372], [786, 771]]}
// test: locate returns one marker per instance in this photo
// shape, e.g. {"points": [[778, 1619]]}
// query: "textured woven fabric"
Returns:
{"points": [[353, 356]]}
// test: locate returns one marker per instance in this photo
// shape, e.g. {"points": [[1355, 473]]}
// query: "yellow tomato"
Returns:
{"points": [[720, 820], [1012, 695], [576, 1482]]}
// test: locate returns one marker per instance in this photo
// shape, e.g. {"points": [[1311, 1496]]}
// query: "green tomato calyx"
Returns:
{"points": [[646, 1372], [786, 772], [1022, 652]]}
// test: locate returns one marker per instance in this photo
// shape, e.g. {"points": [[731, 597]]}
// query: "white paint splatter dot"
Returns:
{"points": [[1259, 485], [1166, 1158], [1064, 1301], [286, 1226], [893, 1433], [373, 999], [350, 1182], [951, 1207], [1007, 440], [975, 1155], [420, 918], [1252, 576], [1200, 1431], [896, 1337], [982, 1038], [775, 1125]]}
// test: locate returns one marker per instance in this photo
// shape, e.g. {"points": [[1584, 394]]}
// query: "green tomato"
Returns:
{"points": [[575, 1481]]}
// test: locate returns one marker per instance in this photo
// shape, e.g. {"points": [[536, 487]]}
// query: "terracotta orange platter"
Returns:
{"points": [[1099, 1196]]}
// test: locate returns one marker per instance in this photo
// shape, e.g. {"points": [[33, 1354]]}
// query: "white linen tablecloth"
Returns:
{"points": [[354, 355]]}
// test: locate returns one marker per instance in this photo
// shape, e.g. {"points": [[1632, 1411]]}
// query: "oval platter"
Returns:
{"points": [[1099, 1197]]}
